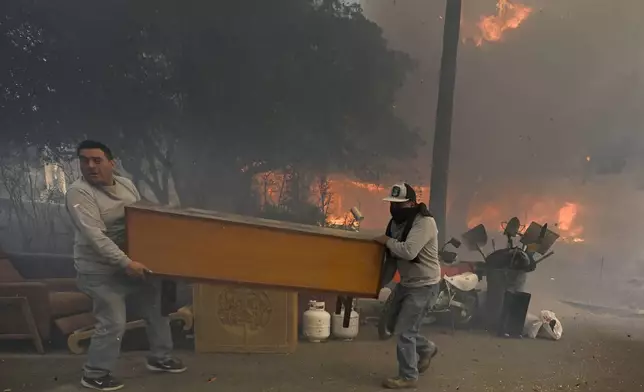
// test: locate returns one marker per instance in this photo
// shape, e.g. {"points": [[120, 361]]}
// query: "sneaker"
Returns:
{"points": [[426, 360], [168, 365], [105, 383], [399, 383]]}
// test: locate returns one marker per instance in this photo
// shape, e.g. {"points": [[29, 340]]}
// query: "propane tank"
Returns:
{"points": [[316, 322], [337, 326]]}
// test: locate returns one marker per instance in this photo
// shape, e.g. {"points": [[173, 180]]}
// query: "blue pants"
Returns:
{"points": [[109, 292], [409, 306]]}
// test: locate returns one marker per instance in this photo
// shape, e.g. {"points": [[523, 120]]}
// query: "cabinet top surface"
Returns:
{"points": [[251, 221]]}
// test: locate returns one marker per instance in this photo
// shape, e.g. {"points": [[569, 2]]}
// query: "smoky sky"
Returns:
{"points": [[565, 85]]}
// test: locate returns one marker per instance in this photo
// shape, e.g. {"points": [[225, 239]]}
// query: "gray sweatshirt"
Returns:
{"points": [[98, 215], [422, 241]]}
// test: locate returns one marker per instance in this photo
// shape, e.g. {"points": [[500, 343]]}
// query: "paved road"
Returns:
{"points": [[598, 353]]}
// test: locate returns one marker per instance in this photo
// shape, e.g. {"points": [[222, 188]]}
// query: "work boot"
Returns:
{"points": [[425, 361], [400, 383]]}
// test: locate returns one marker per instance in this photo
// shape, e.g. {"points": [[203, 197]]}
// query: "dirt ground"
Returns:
{"points": [[598, 352]]}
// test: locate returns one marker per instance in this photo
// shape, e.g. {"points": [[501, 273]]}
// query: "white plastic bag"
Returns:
{"points": [[546, 325], [551, 326], [532, 326]]}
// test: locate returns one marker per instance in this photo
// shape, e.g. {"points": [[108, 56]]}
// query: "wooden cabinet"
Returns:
{"points": [[214, 247]]}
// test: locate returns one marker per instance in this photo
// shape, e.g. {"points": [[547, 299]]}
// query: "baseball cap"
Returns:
{"points": [[401, 193]]}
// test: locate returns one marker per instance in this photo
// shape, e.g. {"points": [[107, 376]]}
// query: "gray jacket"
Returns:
{"points": [[98, 214], [421, 242]]}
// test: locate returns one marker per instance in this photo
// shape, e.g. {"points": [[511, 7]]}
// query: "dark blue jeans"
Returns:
{"points": [[109, 292], [409, 307]]}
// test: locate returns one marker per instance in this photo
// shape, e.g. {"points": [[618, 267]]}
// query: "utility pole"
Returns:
{"points": [[444, 111]]}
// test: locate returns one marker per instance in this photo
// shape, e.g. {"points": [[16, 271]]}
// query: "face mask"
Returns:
{"points": [[402, 214]]}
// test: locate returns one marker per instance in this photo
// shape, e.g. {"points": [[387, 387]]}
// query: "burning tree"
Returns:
{"points": [[291, 196]]}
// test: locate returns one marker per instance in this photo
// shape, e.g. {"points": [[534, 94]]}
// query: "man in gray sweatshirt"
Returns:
{"points": [[412, 247], [96, 204]]}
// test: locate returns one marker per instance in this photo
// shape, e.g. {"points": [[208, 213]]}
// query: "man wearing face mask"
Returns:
{"points": [[411, 240]]}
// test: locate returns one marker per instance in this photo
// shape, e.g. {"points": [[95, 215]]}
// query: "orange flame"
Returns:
{"points": [[508, 17], [339, 220], [368, 197], [570, 231], [540, 211], [344, 193]]}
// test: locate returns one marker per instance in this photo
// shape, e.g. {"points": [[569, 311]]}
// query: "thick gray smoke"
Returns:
{"points": [[552, 110]]}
